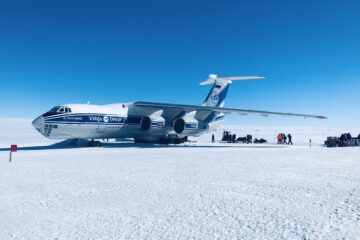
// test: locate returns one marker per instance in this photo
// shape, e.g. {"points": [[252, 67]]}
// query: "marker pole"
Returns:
{"points": [[10, 156]]}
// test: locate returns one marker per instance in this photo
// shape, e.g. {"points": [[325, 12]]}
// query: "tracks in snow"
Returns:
{"points": [[344, 221]]}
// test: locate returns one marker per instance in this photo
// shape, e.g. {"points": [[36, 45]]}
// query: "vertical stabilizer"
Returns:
{"points": [[218, 92]]}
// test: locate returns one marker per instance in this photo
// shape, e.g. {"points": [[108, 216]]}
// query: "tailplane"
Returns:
{"points": [[221, 84]]}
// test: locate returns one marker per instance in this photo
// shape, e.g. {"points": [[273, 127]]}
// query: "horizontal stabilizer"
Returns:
{"points": [[213, 77]]}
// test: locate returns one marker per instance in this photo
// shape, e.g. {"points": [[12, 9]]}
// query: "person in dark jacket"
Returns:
{"points": [[348, 136], [248, 140], [289, 139], [342, 140], [284, 139]]}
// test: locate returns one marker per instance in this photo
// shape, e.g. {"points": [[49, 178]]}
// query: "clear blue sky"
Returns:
{"points": [[54, 52]]}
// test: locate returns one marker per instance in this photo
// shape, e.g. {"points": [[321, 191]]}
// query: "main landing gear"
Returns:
{"points": [[93, 143], [173, 140]]}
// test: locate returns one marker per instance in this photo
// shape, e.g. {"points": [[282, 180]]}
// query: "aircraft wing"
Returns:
{"points": [[209, 110]]}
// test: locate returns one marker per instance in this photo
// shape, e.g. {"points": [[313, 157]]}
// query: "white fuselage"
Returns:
{"points": [[121, 120]]}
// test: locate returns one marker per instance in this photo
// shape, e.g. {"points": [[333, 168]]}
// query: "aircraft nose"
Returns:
{"points": [[39, 123]]}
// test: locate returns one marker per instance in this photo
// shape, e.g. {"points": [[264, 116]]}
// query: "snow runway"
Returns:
{"points": [[203, 191]]}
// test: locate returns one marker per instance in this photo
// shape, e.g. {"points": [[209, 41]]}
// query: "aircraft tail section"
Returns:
{"points": [[216, 96]]}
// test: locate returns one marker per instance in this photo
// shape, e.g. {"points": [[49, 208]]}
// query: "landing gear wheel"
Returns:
{"points": [[172, 140], [93, 143]]}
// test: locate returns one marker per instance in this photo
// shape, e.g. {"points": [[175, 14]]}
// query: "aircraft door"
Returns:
{"points": [[102, 125]]}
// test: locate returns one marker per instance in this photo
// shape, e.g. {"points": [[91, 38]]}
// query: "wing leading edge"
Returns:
{"points": [[189, 108]]}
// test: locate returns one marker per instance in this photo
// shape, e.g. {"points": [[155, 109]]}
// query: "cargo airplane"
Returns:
{"points": [[146, 121]]}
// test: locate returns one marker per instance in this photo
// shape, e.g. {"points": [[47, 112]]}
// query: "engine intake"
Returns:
{"points": [[145, 123], [152, 122], [179, 125], [186, 124]]}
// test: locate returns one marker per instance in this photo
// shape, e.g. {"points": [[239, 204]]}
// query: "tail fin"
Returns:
{"points": [[221, 84]]}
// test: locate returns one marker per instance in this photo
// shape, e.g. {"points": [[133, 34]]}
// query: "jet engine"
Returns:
{"points": [[145, 123], [153, 121], [186, 124]]}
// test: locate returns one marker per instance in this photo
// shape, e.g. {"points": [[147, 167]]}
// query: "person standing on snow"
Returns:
{"points": [[284, 138], [290, 139]]}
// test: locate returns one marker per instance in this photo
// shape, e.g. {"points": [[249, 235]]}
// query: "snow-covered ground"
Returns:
{"points": [[196, 190]]}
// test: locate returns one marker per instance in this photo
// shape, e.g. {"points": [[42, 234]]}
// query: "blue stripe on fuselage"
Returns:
{"points": [[102, 119]]}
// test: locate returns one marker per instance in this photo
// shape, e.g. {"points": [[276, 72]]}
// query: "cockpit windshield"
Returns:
{"points": [[60, 109], [54, 109]]}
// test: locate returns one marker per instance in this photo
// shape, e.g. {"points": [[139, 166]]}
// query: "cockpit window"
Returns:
{"points": [[54, 109], [57, 110], [60, 109]]}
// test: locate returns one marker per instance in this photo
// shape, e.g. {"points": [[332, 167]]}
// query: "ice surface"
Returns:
{"points": [[196, 190]]}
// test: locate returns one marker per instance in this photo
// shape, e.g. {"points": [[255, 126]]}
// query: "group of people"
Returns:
{"points": [[249, 138], [228, 137], [231, 138], [282, 138], [344, 139]]}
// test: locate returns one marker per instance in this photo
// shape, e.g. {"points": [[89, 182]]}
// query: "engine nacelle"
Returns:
{"points": [[153, 121], [186, 124]]}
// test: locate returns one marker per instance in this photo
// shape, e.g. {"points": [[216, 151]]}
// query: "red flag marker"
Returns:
{"points": [[13, 148]]}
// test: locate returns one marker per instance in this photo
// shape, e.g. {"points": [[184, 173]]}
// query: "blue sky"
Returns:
{"points": [[54, 52]]}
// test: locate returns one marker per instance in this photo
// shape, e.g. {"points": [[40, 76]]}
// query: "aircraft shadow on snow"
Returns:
{"points": [[68, 144]]}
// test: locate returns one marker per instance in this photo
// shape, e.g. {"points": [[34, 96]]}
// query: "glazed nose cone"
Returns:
{"points": [[39, 123]]}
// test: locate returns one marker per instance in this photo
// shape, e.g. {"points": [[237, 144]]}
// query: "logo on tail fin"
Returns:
{"points": [[217, 94], [214, 98]]}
